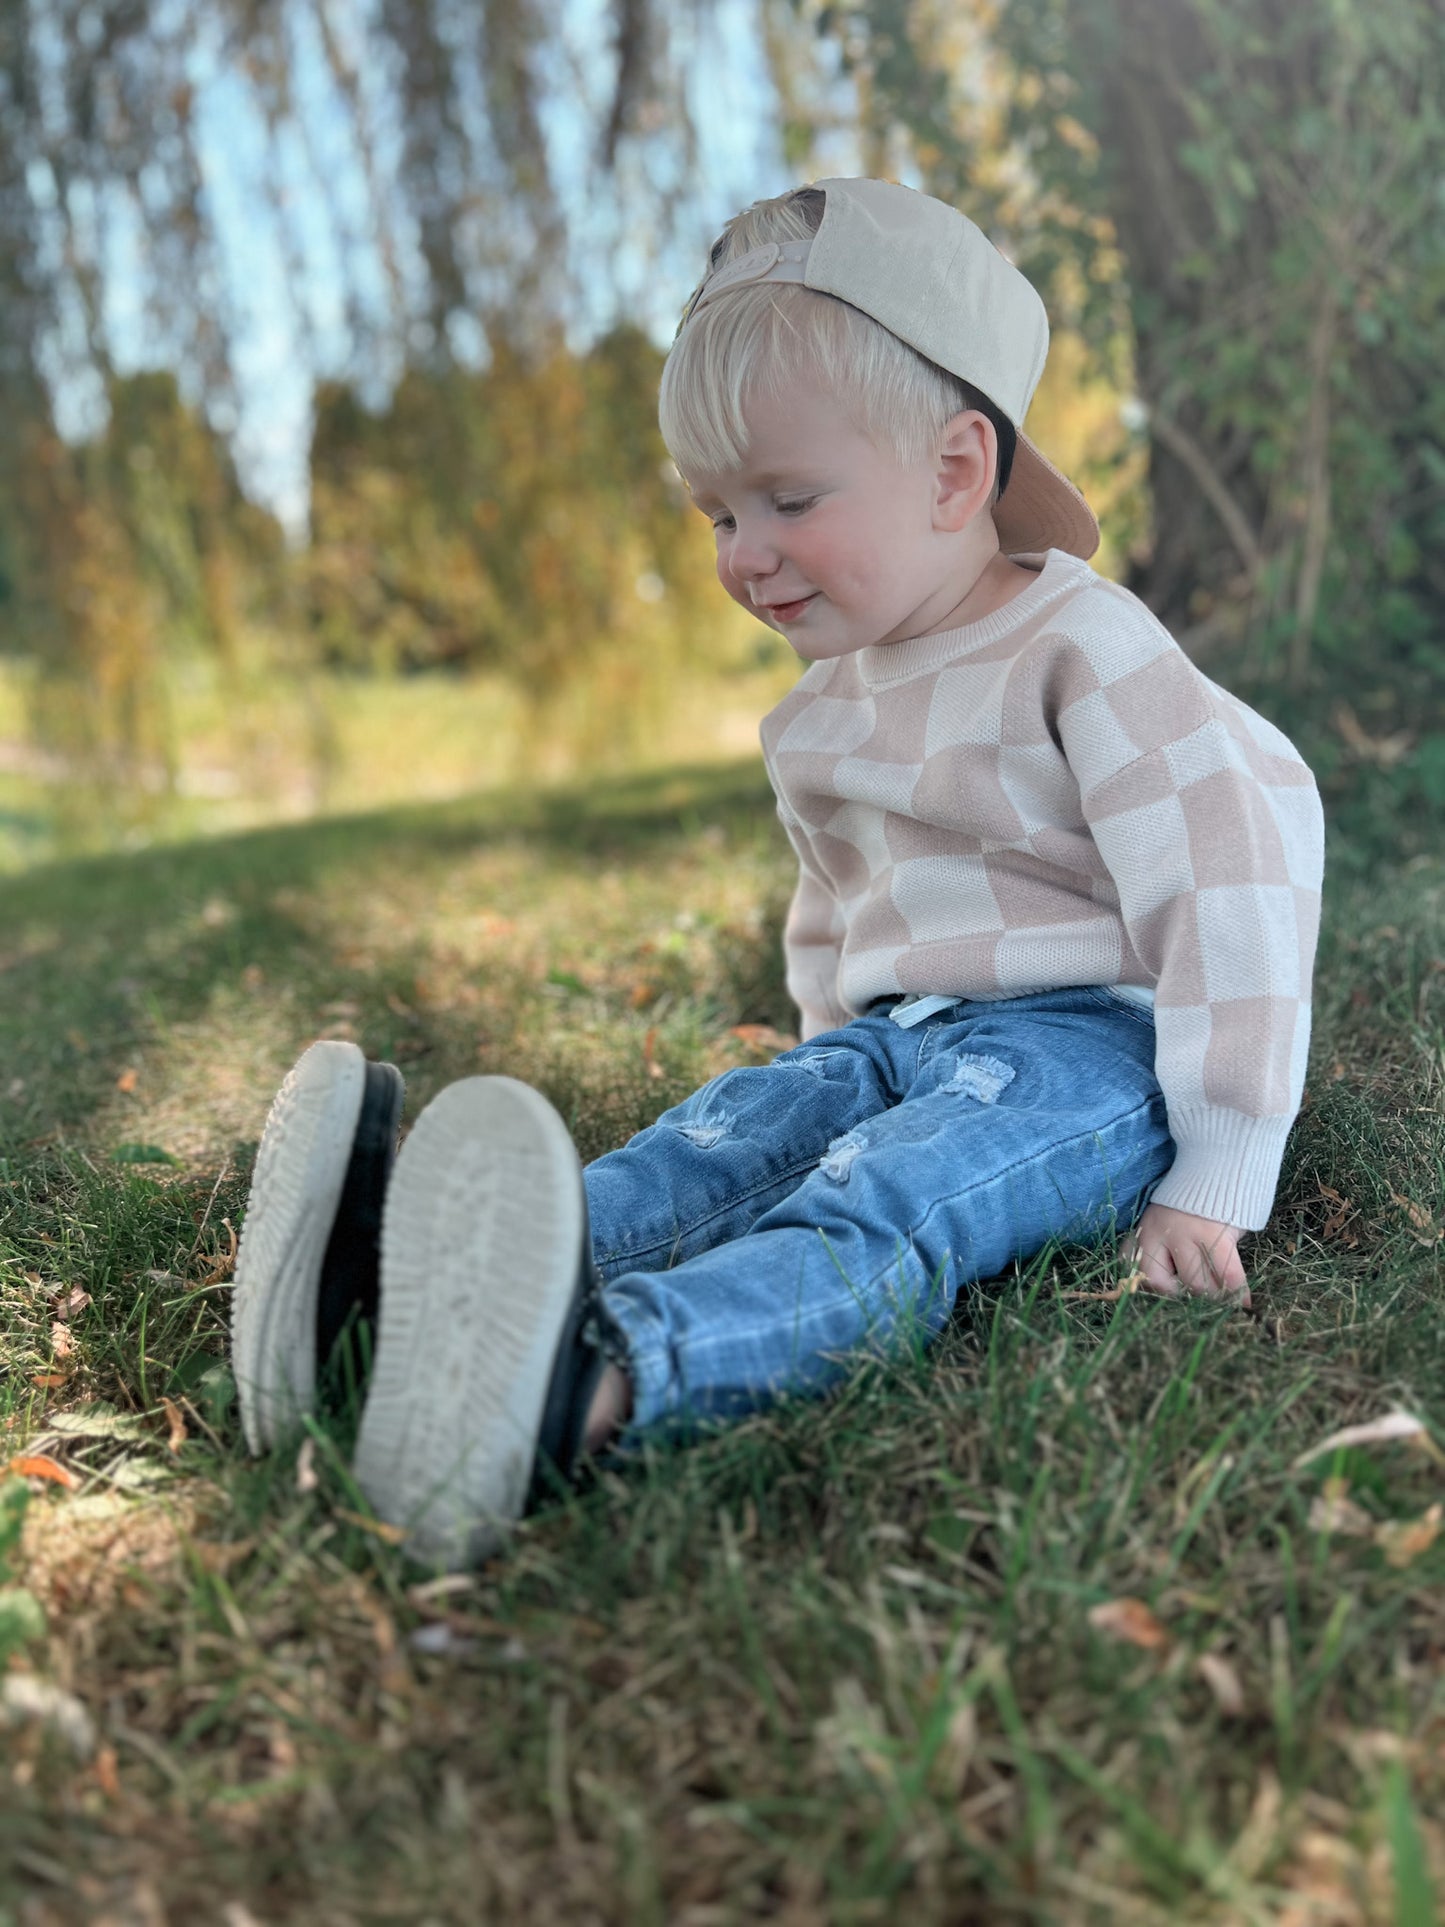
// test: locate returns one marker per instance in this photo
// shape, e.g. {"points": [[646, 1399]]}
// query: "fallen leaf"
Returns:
{"points": [[1220, 1677], [306, 1479], [1130, 1620], [38, 1466], [74, 1300], [127, 1082], [60, 1339], [1379, 1431], [1331, 1510], [649, 1045], [1339, 1217], [222, 1264], [47, 1381], [642, 994], [1403, 1540], [175, 1425], [221, 1557], [1383, 751], [1426, 1229], [378, 1528], [106, 1773]]}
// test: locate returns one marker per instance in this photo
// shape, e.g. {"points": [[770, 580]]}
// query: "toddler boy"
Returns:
{"points": [[1051, 942]]}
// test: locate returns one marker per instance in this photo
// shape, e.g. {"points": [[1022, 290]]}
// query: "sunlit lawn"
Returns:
{"points": [[837, 1664]]}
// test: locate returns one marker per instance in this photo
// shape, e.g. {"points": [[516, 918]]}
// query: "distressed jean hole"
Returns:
{"points": [[980, 1077], [704, 1136], [840, 1157]]}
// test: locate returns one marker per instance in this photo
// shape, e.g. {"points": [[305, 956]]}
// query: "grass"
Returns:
{"points": [[835, 1664]]}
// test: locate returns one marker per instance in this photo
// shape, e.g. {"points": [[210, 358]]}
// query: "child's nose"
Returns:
{"points": [[753, 555]]}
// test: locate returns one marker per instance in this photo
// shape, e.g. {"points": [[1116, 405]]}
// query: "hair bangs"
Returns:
{"points": [[766, 338]]}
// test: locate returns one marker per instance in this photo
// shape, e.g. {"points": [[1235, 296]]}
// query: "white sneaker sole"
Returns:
{"points": [[295, 1189], [480, 1246]]}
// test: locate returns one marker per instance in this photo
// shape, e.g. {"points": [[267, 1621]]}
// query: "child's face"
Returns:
{"points": [[829, 539]]}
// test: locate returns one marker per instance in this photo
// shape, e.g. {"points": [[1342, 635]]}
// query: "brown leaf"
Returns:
{"points": [[1332, 1510], [1383, 751], [1220, 1677], [1403, 1540], [38, 1466], [106, 1773], [175, 1425], [127, 1081], [47, 1381], [1132, 1621], [74, 1300], [1426, 1229], [223, 1264], [378, 1528], [649, 1046], [642, 994], [1339, 1217], [60, 1340]]}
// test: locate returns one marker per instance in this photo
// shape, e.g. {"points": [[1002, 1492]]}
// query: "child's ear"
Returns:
{"points": [[967, 464]]}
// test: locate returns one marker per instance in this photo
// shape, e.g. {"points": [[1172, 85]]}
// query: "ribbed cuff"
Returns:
{"points": [[1227, 1165]]}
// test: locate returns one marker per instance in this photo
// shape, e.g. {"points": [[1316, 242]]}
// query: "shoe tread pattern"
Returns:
{"points": [[480, 1244]]}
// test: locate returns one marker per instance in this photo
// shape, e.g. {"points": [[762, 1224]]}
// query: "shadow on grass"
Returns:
{"points": [[95, 951]]}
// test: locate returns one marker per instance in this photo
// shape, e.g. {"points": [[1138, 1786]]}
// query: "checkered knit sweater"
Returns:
{"points": [[1054, 795]]}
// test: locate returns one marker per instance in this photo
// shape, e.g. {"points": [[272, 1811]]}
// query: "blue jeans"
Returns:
{"points": [[788, 1214]]}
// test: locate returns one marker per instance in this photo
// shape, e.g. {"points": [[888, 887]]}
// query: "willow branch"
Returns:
{"points": [[1183, 447]]}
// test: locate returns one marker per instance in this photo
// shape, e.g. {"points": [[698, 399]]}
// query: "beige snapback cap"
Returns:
{"points": [[935, 280]]}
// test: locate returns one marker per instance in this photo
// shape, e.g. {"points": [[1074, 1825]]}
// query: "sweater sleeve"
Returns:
{"points": [[1212, 833]]}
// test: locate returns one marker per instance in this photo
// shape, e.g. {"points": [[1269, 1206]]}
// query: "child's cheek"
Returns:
{"points": [[736, 589]]}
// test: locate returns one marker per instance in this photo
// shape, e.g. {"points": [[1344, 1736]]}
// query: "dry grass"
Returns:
{"points": [[835, 1664]]}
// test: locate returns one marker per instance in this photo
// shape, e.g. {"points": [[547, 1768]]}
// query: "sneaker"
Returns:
{"points": [[308, 1267], [485, 1361]]}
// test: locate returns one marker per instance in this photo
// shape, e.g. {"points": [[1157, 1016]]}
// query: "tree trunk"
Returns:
{"points": [[1208, 505]]}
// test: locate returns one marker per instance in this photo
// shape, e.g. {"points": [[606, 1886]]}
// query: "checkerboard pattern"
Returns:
{"points": [[1052, 796]]}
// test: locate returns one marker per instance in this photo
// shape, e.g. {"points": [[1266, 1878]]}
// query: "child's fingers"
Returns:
{"points": [[1155, 1266], [1213, 1271]]}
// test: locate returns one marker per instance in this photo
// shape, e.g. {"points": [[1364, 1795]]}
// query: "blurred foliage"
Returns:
{"points": [[1234, 208], [507, 519], [123, 554], [1244, 202]]}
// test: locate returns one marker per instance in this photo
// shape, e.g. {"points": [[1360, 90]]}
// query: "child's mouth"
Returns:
{"points": [[790, 611]]}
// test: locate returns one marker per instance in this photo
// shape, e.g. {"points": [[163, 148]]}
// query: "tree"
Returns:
{"points": [[460, 242], [1266, 176]]}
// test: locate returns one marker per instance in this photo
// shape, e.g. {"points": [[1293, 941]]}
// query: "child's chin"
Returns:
{"points": [[826, 648]]}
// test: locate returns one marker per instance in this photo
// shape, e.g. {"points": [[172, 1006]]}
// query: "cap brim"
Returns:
{"points": [[1041, 509]]}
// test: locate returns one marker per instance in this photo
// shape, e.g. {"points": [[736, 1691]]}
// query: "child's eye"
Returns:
{"points": [[798, 507], [721, 524]]}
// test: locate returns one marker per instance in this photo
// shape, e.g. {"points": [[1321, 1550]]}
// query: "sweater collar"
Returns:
{"points": [[892, 662]]}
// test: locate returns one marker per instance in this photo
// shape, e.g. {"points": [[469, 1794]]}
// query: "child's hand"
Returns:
{"points": [[1177, 1252]]}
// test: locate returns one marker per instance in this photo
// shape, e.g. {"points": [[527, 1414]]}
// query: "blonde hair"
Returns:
{"points": [[764, 338]]}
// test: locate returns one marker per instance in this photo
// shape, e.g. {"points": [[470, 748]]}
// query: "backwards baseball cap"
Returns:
{"points": [[934, 279]]}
